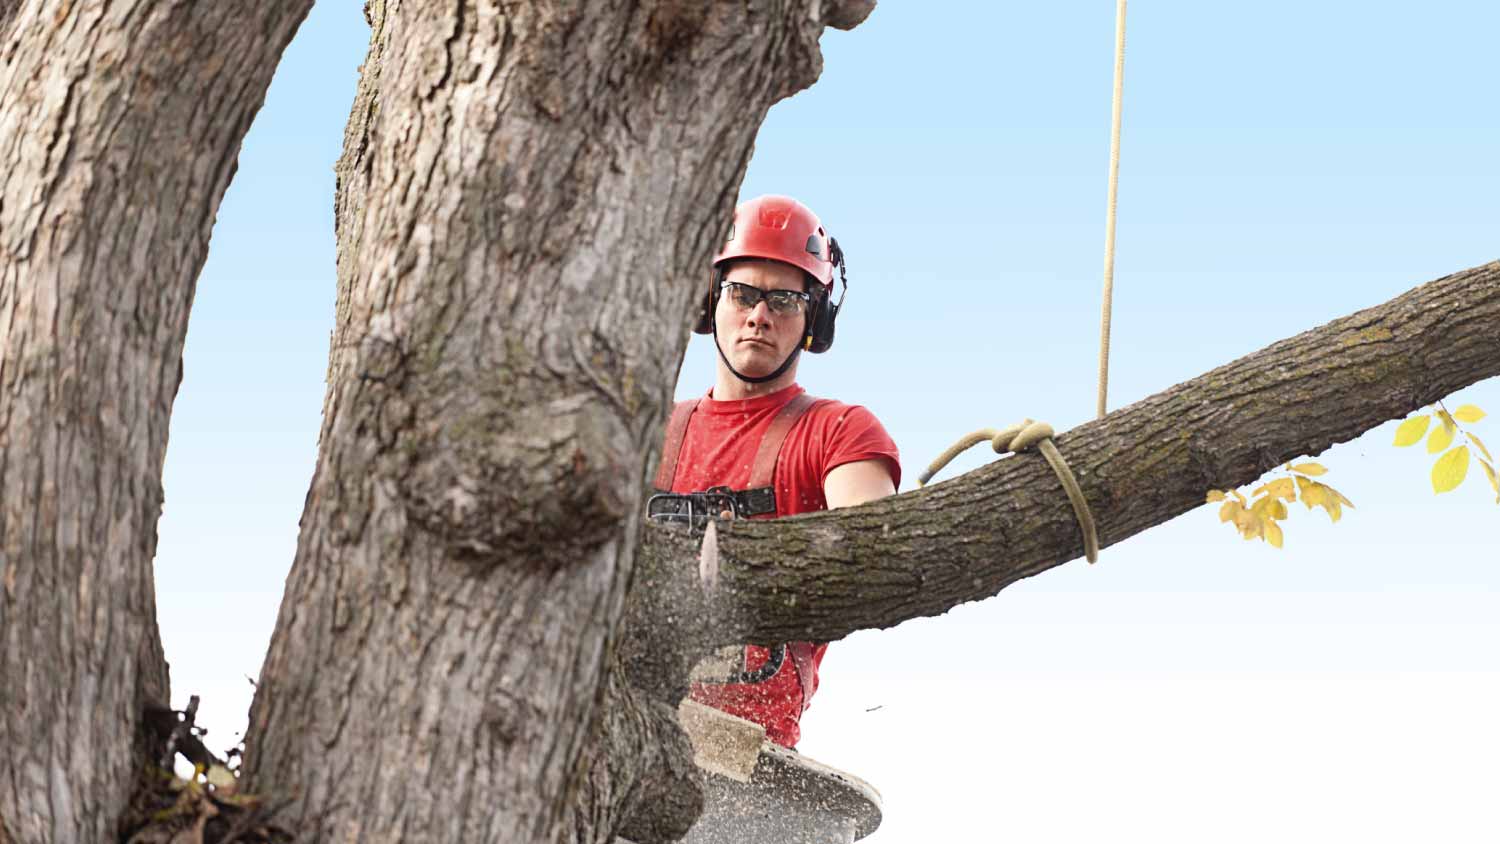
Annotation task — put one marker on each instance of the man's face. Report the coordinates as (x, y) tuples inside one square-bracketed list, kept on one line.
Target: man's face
[(756, 340)]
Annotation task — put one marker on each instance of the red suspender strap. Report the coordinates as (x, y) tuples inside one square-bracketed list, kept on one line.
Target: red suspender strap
[(764, 468), (802, 657), (762, 475), (672, 443)]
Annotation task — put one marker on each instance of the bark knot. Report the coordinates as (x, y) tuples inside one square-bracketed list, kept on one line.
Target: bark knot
[(548, 482)]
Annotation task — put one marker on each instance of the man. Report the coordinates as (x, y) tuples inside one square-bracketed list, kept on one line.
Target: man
[(756, 433)]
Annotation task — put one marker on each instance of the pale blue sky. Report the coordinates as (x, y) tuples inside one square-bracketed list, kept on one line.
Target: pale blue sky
[(1283, 164)]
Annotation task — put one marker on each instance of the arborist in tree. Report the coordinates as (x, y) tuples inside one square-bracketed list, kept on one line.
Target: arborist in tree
[(757, 445)]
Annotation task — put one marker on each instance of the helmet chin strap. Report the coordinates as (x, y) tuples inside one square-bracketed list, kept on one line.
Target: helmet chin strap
[(780, 370)]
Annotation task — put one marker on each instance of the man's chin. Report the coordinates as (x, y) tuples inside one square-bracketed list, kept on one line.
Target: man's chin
[(757, 365)]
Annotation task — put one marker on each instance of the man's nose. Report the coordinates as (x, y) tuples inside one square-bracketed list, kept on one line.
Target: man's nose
[(760, 314)]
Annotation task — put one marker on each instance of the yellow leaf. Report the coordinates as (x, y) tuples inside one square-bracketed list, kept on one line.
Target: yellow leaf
[(1309, 491), (1494, 479), (1339, 495), (1230, 510), (1411, 430), (1250, 524), (1450, 469), (1279, 510), (1313, 469), (1239, 498), (1482, 450), (1279, 488), (1215, 495), (1315, 494), (1273, 533), (1468, 413), (1441, 438)]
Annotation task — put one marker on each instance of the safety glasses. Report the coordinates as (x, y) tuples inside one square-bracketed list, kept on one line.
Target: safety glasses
[(784, 302)]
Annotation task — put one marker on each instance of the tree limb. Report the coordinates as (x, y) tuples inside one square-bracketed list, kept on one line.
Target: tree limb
[(822, 576)]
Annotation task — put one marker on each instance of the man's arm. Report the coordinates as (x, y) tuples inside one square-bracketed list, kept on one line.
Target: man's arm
[(854, 483)]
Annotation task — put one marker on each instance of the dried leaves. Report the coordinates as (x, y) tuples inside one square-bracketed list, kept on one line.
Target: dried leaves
[(203, 809), (1261, 519)]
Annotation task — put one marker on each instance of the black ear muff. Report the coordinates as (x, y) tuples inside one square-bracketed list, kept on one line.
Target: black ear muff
[(825, 310), (820, 337), (705, 323)]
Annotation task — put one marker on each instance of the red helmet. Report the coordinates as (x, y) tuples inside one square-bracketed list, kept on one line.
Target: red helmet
[(782, 229)]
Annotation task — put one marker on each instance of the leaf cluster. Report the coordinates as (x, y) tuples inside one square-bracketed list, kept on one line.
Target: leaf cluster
[(1261, 518), (1452, 467), (205, 808)]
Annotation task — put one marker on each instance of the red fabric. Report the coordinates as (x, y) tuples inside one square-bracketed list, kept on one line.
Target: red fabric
[(719, 449)]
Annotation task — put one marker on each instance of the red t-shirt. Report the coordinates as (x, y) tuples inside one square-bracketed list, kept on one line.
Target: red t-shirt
[(718, 450)]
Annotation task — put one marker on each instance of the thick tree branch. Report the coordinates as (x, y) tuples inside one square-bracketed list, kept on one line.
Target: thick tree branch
[(120, 124), (823, 576)]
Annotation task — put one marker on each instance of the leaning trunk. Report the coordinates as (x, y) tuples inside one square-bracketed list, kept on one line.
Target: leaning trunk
[(119, 127), (528, 198)]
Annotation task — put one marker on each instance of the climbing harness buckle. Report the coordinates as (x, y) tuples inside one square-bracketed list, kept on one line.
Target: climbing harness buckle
[(696, 508)]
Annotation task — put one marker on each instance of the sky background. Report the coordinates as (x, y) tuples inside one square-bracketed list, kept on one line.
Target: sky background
[(1283, 164)]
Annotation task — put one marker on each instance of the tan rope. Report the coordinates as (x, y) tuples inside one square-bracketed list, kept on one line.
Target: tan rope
[(1109, 217), (1017, 438)]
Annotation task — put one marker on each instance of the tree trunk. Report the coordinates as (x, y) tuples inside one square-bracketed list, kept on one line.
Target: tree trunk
[(119, 127), (822, 576), (528, 199)]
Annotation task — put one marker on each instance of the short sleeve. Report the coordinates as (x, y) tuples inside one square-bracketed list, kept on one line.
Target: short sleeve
[(854, 434)]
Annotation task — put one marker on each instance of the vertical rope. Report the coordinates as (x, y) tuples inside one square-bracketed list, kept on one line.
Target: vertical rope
[(1109, 219)]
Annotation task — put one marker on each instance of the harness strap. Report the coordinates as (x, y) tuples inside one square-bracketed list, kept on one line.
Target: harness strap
[(764, 468), (762, 475), (802, 658), (672, 443)]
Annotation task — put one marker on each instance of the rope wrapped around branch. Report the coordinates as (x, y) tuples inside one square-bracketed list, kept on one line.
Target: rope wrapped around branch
[(1018, 438)]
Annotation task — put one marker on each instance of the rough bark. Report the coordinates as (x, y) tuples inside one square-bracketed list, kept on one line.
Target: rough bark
[(524, 188), (8, 9), (119, 127), (823, 576)]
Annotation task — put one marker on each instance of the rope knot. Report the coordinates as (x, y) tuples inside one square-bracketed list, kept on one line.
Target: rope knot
[(1018, 438)]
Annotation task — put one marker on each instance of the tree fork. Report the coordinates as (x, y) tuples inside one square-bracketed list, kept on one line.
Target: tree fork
[(823, 576)]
